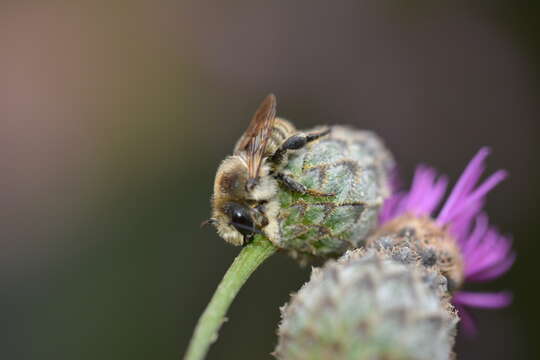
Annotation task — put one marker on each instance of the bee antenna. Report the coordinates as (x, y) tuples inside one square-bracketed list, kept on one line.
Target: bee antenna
[(208, 222)]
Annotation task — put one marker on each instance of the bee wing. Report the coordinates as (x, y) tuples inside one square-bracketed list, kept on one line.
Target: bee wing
[(255, 139)]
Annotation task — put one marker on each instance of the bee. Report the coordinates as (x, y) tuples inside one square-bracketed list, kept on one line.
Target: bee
[(245, 201)]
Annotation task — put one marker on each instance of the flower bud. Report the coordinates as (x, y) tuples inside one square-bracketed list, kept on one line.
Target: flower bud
[(368, 305), (348, 173)]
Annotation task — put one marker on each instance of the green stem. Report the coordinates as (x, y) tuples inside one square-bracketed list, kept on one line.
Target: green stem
[(240, 270)]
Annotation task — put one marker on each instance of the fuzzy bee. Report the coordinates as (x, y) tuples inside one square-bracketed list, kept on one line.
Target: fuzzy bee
[(246, 185)]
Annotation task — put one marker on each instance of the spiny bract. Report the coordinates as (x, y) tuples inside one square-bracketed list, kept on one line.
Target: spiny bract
[(354, 167), (369, 306)]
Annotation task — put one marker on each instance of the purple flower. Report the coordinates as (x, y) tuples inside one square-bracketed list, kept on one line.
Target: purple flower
[(485, 252)]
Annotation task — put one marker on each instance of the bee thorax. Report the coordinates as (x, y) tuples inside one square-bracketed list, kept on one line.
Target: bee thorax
[(264, 189), (231, 178)]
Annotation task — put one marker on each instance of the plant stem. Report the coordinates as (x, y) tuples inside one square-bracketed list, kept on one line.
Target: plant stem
[(240, 270)]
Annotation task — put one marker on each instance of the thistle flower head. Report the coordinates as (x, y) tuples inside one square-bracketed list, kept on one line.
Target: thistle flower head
[(485, 253), (347, 173), (367, 305)]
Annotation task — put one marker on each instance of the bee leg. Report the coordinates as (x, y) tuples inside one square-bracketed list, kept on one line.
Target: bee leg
[(295, 142), (297, 187), (315, 135), (290, 183), (319, 193)]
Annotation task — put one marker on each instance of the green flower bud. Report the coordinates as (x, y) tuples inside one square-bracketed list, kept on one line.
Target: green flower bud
[(351, 168), (369, 306)]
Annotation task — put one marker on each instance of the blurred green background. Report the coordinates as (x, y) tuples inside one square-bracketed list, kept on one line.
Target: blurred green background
[(116, 114)]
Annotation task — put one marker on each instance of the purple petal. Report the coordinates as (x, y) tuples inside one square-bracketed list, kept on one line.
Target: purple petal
[(466, 181), (490, 258), (426, 191), (482, 300), (492, 254), (390, 207), (472, 241), (493, 272), (461, 226), (479, 193), (486, 247), (420, 189), (430, 203)]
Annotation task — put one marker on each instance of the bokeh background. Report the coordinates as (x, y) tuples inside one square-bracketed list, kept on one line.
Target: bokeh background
[(114, 116)]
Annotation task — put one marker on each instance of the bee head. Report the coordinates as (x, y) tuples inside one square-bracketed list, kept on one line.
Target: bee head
[(231, 179), (241, 218), (237, 223), (238, 204)]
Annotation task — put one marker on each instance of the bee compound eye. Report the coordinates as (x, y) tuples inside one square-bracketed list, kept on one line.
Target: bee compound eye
[(241, 218)]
